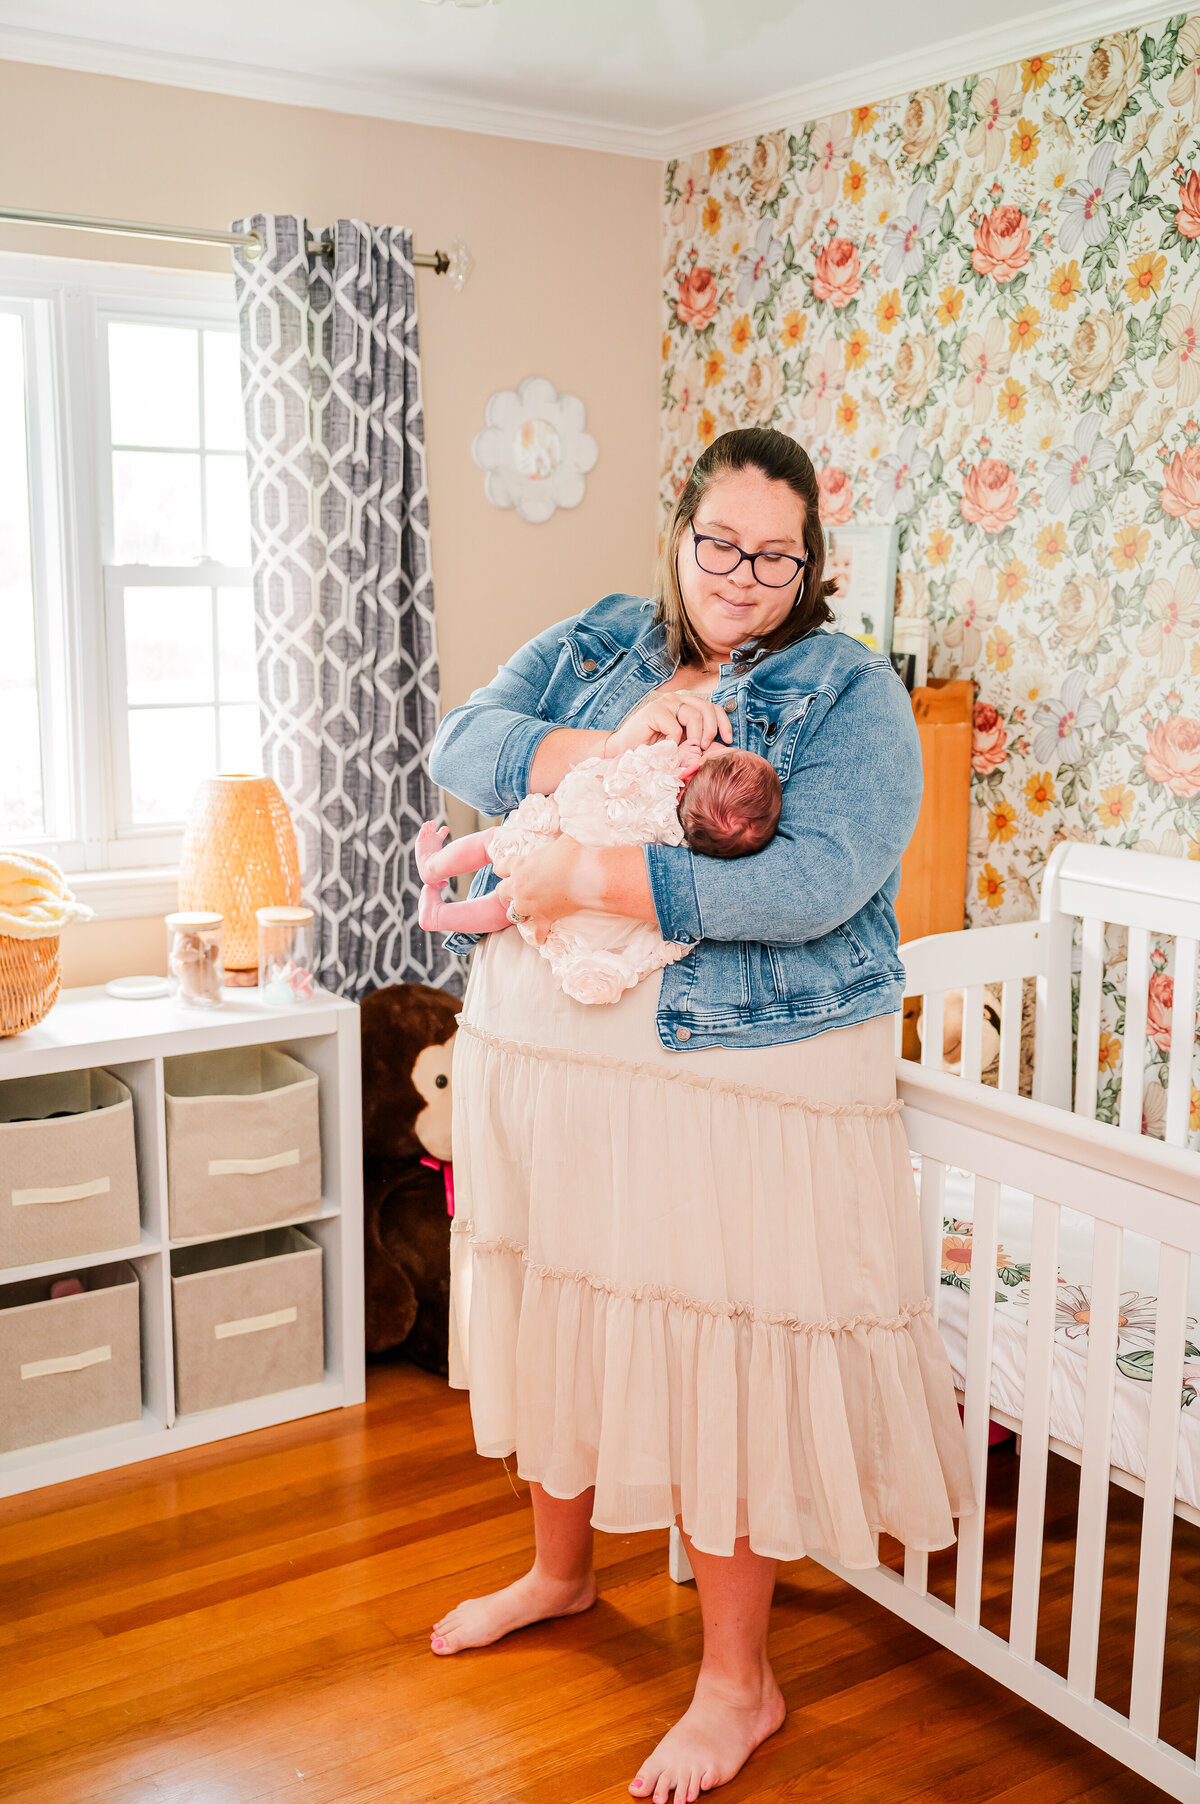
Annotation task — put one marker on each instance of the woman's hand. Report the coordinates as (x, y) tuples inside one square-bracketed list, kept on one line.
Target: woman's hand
[(547, 884), (675, 714)]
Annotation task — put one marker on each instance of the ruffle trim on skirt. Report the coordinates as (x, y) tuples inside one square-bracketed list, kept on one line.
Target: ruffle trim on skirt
[(805, 1436), (655, 1070)]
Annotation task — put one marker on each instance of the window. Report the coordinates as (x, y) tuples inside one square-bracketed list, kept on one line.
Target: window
[(126, 618)]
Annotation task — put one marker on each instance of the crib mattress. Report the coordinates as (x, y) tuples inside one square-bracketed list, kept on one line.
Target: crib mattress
[(1135, 1346)]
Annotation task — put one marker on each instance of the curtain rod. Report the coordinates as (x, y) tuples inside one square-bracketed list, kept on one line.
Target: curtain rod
[(438, 261)]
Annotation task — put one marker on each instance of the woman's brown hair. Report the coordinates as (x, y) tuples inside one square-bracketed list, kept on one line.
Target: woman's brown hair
[(780, 459)]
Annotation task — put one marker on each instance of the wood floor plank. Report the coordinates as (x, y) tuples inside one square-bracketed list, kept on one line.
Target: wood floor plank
[(248, 1624)]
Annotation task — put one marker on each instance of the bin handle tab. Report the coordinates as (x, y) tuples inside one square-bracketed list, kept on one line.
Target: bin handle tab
[(245, 1168)]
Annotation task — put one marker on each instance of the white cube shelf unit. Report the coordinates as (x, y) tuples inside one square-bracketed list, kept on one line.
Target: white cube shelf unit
[(87, 1027)]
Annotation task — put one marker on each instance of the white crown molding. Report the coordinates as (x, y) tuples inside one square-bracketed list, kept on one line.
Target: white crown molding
[(1053, 28)]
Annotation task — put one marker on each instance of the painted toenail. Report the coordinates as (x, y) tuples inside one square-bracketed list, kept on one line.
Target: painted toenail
[(438, 1642)]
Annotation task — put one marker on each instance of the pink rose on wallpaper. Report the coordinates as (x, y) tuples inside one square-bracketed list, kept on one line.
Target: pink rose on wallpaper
[(1001, 243), (1180, 493), (1173, 754), (1187, 220), (989, 497), (837, 277), (837, 500), (990, 745), (1159, 1004), (697, 303)]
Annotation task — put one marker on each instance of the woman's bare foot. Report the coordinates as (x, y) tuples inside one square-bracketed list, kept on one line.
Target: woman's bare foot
[(712, 1740), (482, 1620)]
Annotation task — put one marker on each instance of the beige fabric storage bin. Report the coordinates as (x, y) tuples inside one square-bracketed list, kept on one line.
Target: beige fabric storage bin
[(69, 1365), (243, 1141), (68, 1168), (249, 1318)]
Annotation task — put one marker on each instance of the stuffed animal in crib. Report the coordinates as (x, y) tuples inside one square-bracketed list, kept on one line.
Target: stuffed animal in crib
[(408, 1034)]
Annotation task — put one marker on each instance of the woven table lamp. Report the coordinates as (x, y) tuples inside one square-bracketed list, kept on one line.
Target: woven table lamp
[(239, 855)]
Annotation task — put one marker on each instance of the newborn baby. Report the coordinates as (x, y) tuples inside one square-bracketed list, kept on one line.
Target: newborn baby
[(721, 802)]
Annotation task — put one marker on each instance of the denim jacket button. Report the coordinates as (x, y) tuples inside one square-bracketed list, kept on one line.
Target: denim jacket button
[(683, 1033), (589, 664)]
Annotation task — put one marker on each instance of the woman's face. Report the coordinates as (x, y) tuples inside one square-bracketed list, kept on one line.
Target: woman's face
[(755, 514)]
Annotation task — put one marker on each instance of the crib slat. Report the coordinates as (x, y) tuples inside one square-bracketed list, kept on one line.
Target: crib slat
[(1158, 1510), (1087, 1061), (933, 1029), (1133, 1053), (981, 1314), (1010, 1035), (972, 1034), (1035, 1429), (1183, 1041), (933, 1209), (1096, 1460)]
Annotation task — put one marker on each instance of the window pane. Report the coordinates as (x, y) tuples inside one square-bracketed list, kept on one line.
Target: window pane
[(154, 384), (236, 650), (171, 751), (168, 645), (241, 742), (156, 508), (224, 424), (228, 509), (21, 808)]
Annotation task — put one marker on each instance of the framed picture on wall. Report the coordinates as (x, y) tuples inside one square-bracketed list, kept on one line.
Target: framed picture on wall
[(861, 560)]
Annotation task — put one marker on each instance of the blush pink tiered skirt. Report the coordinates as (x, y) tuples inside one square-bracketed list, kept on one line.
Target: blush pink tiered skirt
[(694, 1279)]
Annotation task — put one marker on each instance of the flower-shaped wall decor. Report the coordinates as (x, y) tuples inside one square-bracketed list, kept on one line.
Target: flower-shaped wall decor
[(534, 449)]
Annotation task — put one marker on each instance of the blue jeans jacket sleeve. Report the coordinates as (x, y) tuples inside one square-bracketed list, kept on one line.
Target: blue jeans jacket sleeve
[(483, 750), (849, 808)]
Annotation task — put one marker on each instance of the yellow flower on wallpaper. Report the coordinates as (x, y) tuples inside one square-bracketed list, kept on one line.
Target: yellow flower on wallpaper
[(714, 367), (1194, 1111), (1040, 792), (862, 118), (793, 329), (1011, 401), (1145, 277), (854, 182), (1051, 544), (1110, 1051), (706, 426), (1000, 650), (950, 303), (1116, 804), (1024, 329), (739, 333), (1002, 821), (941, 544), (1066, 285), (1130, 547), (990, 885), (717, 159), (710, 219), (856, 349), (1036, 72), (1024, 143), (666, 346), (1013, 580), (888, 310), (847, 413)]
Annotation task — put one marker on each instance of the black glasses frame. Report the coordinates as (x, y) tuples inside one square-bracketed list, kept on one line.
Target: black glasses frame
[(747, 557)]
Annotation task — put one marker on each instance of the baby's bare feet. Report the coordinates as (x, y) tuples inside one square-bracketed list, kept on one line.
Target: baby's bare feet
[(429, 909), (430, 841), (482, 1620), (712, 1740)]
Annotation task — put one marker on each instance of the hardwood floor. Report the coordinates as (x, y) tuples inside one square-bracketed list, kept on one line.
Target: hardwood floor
[(250, 1622)]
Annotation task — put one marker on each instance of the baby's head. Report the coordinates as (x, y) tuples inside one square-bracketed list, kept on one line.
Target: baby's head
[(730, 804)]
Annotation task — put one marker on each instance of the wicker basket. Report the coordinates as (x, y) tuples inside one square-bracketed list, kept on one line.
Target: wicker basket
[(239, 855), (30, 977)]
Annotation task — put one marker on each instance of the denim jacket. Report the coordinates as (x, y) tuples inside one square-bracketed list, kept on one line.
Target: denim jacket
[(790, 940)]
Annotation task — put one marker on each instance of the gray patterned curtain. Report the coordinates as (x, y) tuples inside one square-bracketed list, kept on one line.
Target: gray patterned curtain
[(347, 653)]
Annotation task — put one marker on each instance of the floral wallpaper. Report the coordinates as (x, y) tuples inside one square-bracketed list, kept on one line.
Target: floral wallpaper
[(978, 307)]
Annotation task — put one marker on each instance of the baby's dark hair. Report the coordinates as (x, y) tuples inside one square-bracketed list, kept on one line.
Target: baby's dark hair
[(731, 806)]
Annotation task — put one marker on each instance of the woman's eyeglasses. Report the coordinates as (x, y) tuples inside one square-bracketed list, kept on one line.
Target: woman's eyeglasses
[(718, 557)]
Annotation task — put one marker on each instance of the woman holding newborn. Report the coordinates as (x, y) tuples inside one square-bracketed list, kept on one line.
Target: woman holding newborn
[(686, 1271)]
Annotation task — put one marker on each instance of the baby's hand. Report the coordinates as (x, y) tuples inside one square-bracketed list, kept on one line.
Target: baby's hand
[(691, 752)]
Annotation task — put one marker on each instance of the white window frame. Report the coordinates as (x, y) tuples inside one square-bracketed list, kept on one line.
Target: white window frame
[(69, 303)]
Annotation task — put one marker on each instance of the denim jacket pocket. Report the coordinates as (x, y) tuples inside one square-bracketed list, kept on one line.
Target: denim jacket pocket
[(773, 728), (588, 653)]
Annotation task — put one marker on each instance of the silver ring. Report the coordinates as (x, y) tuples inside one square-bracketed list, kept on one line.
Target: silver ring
[(513, 916)]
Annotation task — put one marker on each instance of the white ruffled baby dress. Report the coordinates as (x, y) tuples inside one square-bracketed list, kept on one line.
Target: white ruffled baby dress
[(631, 800)]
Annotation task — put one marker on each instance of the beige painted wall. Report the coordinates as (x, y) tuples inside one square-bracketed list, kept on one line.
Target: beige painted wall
[(566, 285)]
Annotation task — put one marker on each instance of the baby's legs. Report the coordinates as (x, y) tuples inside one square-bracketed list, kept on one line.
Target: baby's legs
[(486, 914), (436, 860)]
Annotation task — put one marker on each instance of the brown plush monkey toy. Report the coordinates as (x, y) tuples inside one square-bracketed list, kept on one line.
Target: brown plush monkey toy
[(408, 1034)]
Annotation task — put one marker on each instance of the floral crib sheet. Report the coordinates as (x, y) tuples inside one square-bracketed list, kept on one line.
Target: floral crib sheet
[(1136, 1325)]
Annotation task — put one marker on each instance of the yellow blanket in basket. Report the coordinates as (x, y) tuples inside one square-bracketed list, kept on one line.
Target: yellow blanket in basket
[(35, 903)]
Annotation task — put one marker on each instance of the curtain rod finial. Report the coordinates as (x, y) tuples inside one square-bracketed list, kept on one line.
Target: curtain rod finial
[(458, 265)]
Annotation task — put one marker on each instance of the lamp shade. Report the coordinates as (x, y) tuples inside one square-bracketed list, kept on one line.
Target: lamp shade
[(239, 855)]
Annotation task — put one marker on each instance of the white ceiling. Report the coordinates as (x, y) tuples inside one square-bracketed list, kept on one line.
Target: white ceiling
[(650, 77)]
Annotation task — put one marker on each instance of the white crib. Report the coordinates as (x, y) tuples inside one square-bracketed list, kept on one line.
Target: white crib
[(1124, 1192)]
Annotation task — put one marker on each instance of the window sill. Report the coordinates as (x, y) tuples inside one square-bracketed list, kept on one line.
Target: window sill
[(127, 895)]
